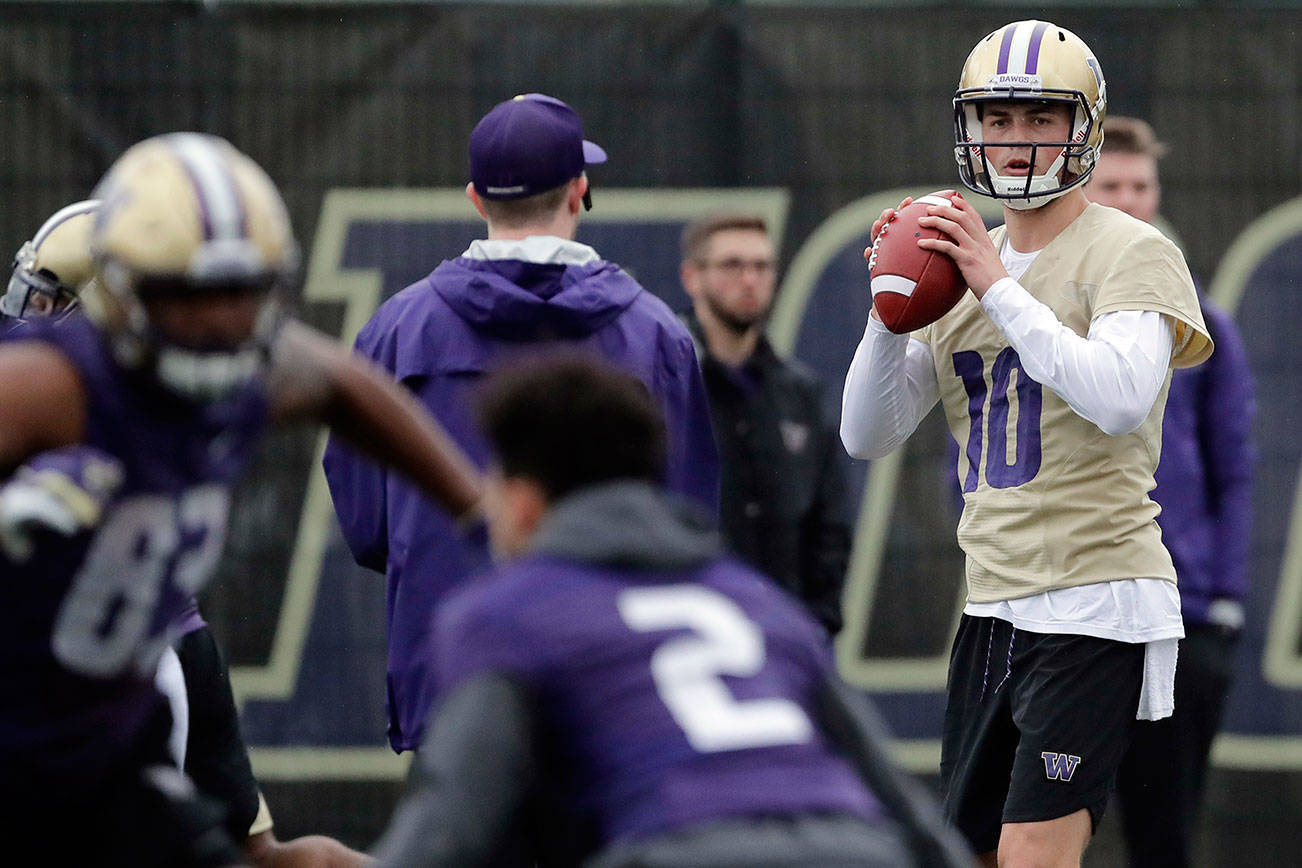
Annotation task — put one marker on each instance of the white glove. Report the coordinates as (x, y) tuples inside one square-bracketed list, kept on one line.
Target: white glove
[(64, 491)]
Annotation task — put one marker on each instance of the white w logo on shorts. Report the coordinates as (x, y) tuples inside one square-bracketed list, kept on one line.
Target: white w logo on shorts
[(1059, 766)]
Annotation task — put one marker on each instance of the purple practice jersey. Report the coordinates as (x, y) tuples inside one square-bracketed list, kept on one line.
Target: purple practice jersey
[(439, 337), (672, 695), (83, 621)]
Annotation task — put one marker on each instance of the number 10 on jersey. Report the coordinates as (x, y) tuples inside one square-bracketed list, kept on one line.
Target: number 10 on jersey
[(1000, 472)]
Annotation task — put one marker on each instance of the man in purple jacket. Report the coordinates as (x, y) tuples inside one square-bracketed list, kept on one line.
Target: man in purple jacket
[(527, 287), (1204, 486), (619, 689)]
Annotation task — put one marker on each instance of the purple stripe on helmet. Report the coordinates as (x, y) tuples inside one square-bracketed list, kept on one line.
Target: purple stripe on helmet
[(1033, 50), (1004, 47)]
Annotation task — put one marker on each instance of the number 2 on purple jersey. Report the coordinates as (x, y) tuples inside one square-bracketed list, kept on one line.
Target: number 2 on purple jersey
[(687, 669)]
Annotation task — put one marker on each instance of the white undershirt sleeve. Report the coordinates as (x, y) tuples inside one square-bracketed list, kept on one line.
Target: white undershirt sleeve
[(1111, 378), (889, 388)]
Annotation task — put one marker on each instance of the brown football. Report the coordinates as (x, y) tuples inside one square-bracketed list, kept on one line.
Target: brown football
[(913, 287)]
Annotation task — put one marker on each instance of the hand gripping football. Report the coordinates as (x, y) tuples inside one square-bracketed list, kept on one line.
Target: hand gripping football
[(912, 287)]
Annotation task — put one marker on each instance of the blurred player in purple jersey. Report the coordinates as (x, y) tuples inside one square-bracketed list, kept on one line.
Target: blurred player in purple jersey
[(662, 702), (527, 286), (49, 273), (121, 433), (1204, 486)]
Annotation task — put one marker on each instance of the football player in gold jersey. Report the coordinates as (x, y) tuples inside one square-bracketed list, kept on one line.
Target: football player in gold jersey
[(1053, 374)]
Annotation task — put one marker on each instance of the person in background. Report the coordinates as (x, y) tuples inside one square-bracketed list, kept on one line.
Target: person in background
[(526, 287), (782, 498), (1204, 486), (626, 690)]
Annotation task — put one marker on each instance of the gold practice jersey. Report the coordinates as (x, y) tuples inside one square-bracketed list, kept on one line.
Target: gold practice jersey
[(1050, 500)]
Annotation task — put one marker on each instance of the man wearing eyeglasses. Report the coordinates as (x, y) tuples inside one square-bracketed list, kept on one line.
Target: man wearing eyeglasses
[(782, 491)]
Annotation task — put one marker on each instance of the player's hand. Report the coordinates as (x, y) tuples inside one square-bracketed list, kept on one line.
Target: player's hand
[(970, 246), (879, 226), (63, 491)]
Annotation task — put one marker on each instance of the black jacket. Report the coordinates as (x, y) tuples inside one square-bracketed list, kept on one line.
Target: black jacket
[(782, 488)]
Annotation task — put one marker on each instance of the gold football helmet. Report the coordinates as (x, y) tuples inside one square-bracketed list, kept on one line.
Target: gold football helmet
[(52, 268), (1037, 61), (186, 215)]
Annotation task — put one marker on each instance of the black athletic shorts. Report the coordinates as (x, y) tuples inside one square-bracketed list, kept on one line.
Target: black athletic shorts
[(215, 756), (1035, 726)]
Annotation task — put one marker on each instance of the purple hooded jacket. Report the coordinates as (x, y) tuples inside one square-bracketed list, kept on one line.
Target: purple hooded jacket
[(1204, 480), (439, 337)]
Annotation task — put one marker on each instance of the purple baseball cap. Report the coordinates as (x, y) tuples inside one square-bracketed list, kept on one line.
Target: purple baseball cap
[(528, 145)]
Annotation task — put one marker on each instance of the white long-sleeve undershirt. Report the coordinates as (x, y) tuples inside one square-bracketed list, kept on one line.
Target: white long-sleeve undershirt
[(1111, 377)]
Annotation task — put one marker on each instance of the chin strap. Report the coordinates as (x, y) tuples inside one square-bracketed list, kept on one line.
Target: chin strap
[(1006, 188)]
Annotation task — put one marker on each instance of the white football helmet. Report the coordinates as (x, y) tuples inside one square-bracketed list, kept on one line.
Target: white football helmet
[(183, 215), (1035, 61), (51, 269)]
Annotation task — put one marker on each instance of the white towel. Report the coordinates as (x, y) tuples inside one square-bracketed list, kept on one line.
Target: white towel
[(1157, 696)]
